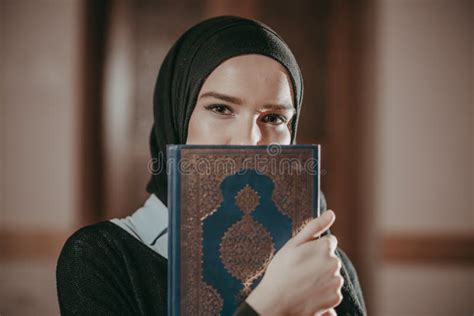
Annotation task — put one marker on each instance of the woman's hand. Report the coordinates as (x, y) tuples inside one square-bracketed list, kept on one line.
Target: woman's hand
[(304, 276)]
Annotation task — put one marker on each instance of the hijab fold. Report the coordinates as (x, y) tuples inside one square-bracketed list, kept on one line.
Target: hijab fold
[(187, 65)]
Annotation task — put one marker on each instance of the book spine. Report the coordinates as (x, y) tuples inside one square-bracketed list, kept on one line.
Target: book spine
[(317, 180), (173, 154)]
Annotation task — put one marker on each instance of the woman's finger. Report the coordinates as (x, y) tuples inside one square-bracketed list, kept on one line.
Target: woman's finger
[(315, 228)]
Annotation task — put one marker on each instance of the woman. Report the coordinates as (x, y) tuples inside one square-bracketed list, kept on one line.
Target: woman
[(227, 80)]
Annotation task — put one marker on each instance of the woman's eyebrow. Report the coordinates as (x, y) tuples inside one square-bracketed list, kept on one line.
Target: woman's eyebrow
[(284, 107), (221, 96), (239, 101)]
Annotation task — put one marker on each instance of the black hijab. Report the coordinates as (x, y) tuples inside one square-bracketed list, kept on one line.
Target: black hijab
[(186, 66)]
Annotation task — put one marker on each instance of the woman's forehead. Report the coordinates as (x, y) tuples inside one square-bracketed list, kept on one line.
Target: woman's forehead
[(252, 78)]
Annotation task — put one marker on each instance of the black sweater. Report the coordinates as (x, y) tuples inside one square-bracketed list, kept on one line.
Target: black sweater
[(103, 270)]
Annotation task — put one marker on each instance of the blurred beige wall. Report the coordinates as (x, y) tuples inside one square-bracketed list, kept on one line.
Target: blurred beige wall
[(424, 148), (40, 51), (40, 108)]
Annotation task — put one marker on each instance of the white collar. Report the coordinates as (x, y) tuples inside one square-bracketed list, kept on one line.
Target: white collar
[(148, 224)]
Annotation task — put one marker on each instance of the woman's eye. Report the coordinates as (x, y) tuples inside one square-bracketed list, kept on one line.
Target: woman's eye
[(274, 119), (219, 109)]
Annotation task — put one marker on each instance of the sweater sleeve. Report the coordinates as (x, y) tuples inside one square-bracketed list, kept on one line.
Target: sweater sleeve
[(88, 277), (353, 301)]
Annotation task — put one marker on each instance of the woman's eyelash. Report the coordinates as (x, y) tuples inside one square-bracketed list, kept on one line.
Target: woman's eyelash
[(222, 108), (219, 109), (280, 117)]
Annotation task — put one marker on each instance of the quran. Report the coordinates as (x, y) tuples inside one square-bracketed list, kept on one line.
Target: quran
[(232, 207)]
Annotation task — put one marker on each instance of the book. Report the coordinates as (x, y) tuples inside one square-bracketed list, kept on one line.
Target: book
[(232, 207)]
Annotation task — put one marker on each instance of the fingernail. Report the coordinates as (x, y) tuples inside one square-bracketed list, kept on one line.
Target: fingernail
[(329, 213)]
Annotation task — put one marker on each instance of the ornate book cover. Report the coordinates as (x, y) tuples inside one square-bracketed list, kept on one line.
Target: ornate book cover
[(232, 207)]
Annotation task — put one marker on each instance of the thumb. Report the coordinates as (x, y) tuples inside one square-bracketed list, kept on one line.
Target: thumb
[(314, 228)]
